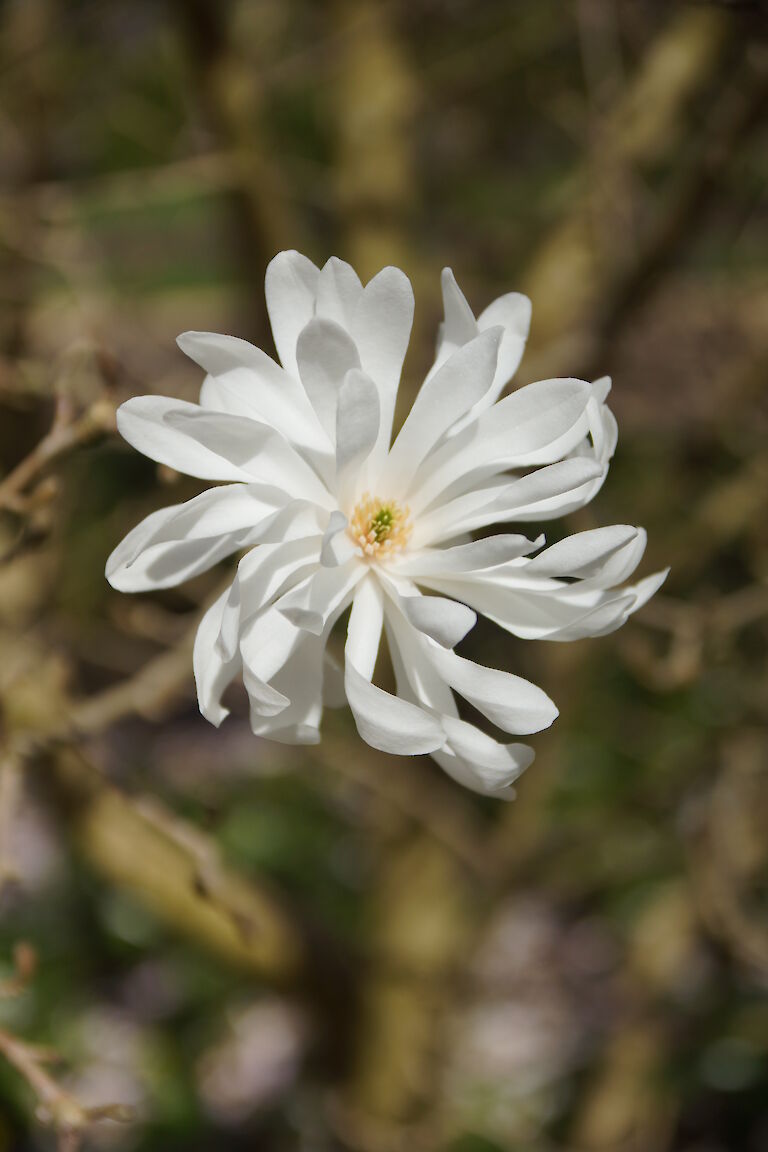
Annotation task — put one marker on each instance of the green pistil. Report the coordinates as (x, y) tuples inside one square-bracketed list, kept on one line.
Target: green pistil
[(381, 523)]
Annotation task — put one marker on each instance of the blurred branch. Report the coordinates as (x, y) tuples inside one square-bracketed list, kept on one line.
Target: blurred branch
[(10, 781), (56, 1108), (587, 259), (375, 97), (726, 852), (68, 432), (175, 870), (232, 94)]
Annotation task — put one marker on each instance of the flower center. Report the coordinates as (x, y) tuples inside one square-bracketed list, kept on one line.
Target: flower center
[(380, 527)]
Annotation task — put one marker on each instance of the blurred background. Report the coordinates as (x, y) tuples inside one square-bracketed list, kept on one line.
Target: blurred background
[(257, 947)]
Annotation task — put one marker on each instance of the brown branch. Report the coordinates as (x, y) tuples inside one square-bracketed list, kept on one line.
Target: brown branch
[(66, 434), (56, 1107)]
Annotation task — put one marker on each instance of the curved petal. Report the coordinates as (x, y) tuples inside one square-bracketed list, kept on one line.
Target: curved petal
[(538, 424), (475, 556), (338, 292), (470, 756), (217, 446), (313, 604), (511, 702), (600, 557), (176, 543), (290, 286), (325, 354), (446, 396), (243, 381), (541, 495), (478, 761), (213, 674), (446, 621), (381, 330), (338, 547), (384, 721), (357, 429)]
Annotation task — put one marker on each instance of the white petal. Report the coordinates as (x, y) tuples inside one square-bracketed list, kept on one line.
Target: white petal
[(301, 678), (290, 286), (212, 674), (312, 605), (541, 495), (513, 703), (325, 354), (601, 388), (264, 573), (536, 425), (265, 700), (384, 721), (266, 643), (474, 556), (338, 292), (338, 547), (357, 426), (469, 756), (459, 325), (648, 587), (480, 762), (176, 543), (217, 446), (513, 312), (449, 394), (585, 553), (244, 381), (445, 621), (381, 330)]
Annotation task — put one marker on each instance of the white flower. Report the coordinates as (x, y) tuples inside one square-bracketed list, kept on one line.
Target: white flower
[(328, 514)]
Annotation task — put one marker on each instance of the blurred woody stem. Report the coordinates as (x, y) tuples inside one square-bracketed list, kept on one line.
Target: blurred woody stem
[(56, 1107), (67, 433)]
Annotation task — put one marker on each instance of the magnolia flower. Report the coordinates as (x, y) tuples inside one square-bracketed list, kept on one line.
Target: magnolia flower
[(327, 512)]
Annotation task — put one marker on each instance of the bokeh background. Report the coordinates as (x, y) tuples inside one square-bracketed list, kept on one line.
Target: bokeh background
[(259, 947)]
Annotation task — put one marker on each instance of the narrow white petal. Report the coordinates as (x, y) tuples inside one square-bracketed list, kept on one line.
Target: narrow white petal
[(449, 394), (474, 556), (301, 678), (325, 354), (445, 621), (384, 721), (536, 425), (290, 286), (338, 292), (648, 587), (480, 762), (244, 381), (541, 495), (470, 756), (338, 547), (513, 312), (585, 553), (212, 673), (266, 642), (381, 329), (176, 543), (283, 555), (310, 606), (460, 325), (357, 427), (217, 446), (511, 702)]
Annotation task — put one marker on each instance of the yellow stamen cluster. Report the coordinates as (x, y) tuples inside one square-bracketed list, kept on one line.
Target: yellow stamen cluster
[(380, 527)]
